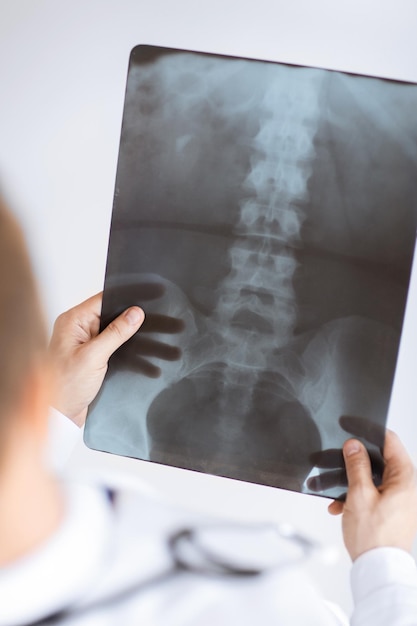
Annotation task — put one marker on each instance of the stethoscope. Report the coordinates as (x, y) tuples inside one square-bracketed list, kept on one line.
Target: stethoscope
[(207, 550)]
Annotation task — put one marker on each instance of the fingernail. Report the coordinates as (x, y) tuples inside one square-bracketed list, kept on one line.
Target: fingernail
[(134, 316), (351, 447)]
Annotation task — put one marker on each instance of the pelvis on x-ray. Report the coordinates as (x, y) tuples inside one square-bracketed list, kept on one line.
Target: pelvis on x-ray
[(265, 219)]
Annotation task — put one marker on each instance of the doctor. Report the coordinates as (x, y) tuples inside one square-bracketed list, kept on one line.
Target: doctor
[(81, 553)]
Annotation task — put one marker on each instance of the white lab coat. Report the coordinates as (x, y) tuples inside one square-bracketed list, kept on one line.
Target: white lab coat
[(102, 548)]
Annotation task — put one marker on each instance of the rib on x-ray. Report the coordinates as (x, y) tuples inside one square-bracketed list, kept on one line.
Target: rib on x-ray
[(265, 219)]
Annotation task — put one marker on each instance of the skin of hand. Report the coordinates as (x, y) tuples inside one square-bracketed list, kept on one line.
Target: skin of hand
[(384, 516), (78, 353)]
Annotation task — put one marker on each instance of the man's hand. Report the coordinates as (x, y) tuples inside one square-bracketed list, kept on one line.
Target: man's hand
[(378, 516), (79, 354), (332, 460), (134, 356)]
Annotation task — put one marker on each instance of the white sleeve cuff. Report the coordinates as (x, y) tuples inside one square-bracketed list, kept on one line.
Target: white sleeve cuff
[(63, 435), (384, 588)]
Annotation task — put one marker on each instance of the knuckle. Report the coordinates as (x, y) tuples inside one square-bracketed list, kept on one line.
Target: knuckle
[(64, 318), (60, 320)]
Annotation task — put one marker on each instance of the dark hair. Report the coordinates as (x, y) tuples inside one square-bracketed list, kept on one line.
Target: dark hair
[(22, 329)]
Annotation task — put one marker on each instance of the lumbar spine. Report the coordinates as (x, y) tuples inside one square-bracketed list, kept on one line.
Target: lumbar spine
[(256, 310)]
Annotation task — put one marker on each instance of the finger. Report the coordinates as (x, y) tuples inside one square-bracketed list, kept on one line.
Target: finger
[(80, 323), (335, 507), (138, 365), (156, 323), (91, 306), (397, 459), (142, 366), (328, 459), (377, 466), (365, 428), (116, 333), (358, 466), (88, 310), (157, 349), (88, 314), (327, 480)]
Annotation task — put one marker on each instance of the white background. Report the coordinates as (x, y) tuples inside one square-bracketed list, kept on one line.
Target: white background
[(62, 78)]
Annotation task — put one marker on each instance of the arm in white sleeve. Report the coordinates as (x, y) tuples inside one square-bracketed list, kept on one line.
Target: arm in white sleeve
[(63, 435), (384, 587)]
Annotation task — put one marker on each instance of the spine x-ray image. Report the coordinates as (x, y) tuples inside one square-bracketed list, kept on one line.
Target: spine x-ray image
[(265, 219)]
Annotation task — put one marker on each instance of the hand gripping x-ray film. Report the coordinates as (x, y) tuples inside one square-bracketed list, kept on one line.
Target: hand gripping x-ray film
[(265, 219)]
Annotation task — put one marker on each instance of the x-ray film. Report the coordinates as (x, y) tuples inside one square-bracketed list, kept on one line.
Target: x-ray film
[(265, 219)]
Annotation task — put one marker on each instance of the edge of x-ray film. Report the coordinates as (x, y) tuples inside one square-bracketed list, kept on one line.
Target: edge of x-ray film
[(253, 221), (403, 405)]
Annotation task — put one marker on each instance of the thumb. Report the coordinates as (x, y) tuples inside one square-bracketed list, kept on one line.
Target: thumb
[(358, 465), (117, 333)]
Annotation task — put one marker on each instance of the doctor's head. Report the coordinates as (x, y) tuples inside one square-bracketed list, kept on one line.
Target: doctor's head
[(22, 331)]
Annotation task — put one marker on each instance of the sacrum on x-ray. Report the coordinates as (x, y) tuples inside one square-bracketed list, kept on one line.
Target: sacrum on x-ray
[(265, 219)]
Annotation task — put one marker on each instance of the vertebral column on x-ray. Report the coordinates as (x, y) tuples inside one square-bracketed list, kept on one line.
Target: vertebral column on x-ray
[(256, 309)]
